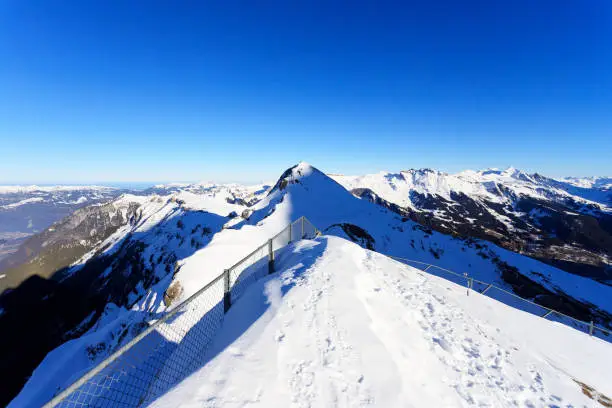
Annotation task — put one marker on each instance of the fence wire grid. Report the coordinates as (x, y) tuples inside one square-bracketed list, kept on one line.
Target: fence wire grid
[(173, 347), (509, 298)]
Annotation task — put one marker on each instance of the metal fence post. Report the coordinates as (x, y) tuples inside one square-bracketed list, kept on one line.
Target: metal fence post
[(227, 294), (487, 288), (591, 327), (270, 257), (302, 227), (290, 232)]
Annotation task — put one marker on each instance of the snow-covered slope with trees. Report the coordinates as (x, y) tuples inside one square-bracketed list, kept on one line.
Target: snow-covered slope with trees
[(341, 326)]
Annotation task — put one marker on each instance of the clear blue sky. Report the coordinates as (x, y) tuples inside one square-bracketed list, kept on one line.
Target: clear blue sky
[(240, 90)]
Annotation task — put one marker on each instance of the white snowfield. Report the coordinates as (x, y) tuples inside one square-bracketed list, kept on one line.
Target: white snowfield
[(341, 326)]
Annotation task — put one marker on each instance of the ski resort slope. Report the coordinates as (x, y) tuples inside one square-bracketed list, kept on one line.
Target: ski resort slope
[(342, 326)]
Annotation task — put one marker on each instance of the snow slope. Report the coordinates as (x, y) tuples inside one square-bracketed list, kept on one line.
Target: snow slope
[(168, 229), (566, 225), (304, 190), (301, 191), (589, 182), (343, 326)]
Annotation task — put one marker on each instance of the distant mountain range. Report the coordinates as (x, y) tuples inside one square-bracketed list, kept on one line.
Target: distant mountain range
[(566, 223), (89, 281), (27, 210)]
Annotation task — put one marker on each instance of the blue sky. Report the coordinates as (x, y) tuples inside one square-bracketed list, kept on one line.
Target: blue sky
[(239, 91)]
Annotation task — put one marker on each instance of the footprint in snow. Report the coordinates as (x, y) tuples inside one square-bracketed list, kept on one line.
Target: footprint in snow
[(441, 341), (235, 351)]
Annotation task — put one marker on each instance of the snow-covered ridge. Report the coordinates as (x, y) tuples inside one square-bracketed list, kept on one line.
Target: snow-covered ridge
[(589, 182), (396, 187), (22, 202), (10, 189), (548, 219), (342, 326)]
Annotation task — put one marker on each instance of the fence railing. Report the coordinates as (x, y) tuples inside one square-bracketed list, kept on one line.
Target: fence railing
[(173, 347), (509, 298), (168, 350)]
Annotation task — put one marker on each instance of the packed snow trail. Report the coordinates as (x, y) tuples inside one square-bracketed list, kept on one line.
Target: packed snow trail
[(343, 326)]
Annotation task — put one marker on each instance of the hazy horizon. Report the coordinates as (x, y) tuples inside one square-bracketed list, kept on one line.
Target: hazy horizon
[(143, 184)]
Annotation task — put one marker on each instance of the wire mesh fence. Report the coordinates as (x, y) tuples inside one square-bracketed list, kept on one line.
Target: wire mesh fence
[(509, 298), (168, 350)]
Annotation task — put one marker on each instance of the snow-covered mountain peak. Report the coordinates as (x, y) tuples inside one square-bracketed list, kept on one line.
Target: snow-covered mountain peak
[(492, 184), (422, 171), (588, 182), (400, 188), (302, 170), (508, 173), (302, 173)]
